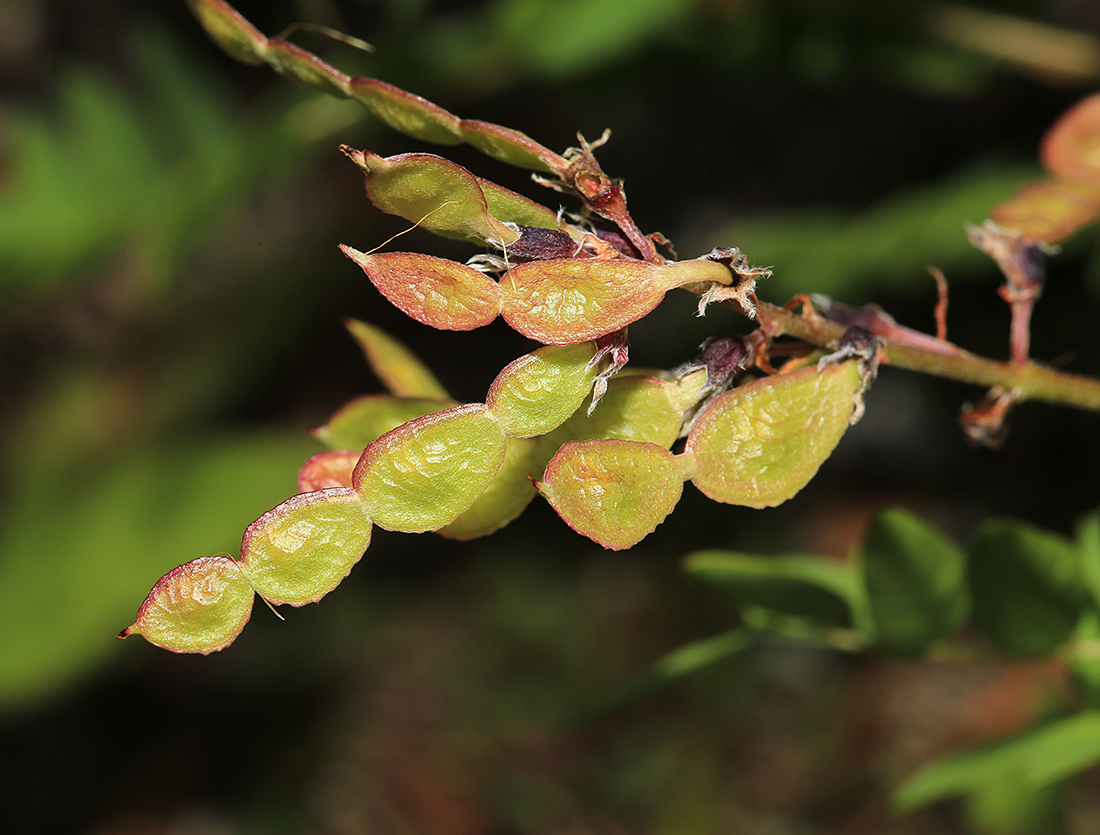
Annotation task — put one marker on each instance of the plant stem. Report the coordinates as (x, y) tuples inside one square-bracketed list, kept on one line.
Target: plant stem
[(1028, 381)]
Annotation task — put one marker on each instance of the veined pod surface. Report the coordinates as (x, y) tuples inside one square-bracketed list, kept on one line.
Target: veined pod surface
[(422, 475), (638, 408), (762, 442), (331, 468), (437, 292), (572, 300), (431, 192), (299, 551), (614, 492), (507, 495), (202, 606), (362, 420), (539, 391)]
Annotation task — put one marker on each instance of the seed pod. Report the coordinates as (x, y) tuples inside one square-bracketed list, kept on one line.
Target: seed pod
[(573, 300), (437, 292), (199, 607), (507, 495), (614, 492), (422, 475), (301, 550), (332, 468), (638, 407), (762, 442), (539, 391), (433, 193), (363, 419), (399, 369)]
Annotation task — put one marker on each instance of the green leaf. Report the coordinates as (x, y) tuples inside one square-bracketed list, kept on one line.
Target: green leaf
[(396, 366), (915, 581), (1041, 756), (539, 391), (670, 668), (202, 606), (299, 551), (761, 443), (422, 475), (801, 585), (1026, 586), (614, 492), (1088, 545)]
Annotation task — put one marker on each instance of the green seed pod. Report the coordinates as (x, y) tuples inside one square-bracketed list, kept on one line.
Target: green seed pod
[(614, 492), (572, 300), (433, 193), (202, 606), (762, 442), (301, 550), (422, 475), (405, 112), (437, 292), (331, 468), (507, 495), (539, 391), (400, 370), (638, 408), (363, 419)]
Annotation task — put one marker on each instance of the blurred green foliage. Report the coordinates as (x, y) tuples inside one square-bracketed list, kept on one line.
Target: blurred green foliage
[(158, 268)]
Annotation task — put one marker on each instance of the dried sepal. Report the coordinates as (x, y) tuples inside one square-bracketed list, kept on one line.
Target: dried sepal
[(573, 300), (422, 475), (434, 291), (202, 606), (431, 192), (396, 366), (298, 552), (614, 492), (761, 443), (539, 391), (331, 468)]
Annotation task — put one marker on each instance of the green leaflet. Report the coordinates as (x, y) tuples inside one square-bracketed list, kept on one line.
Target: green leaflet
[(801, 585), (915, 582), (1026, 586)]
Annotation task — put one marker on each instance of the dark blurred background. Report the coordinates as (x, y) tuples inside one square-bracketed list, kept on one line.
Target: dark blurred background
[(171, 296)]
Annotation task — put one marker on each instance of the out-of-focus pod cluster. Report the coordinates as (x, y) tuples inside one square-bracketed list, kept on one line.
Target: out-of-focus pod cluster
[(466, 470)]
